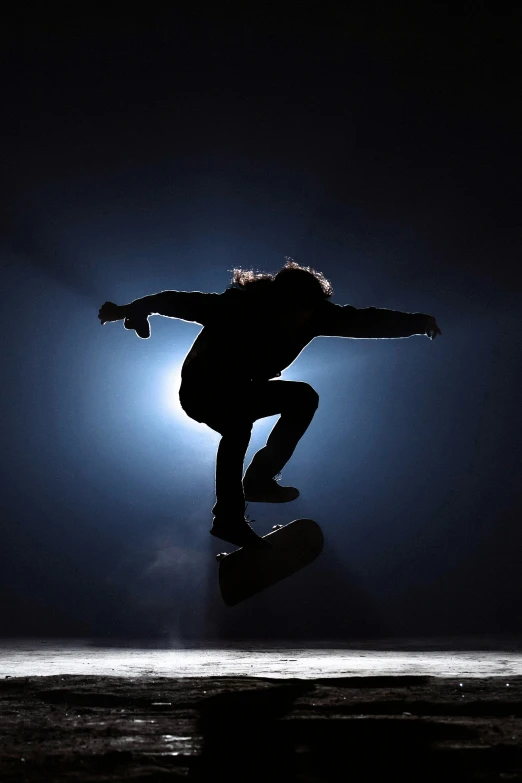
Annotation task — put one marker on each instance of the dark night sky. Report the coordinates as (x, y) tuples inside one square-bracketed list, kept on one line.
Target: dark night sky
[(155, 152)]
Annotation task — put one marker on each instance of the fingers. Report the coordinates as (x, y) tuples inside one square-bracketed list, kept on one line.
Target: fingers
[(108, 312), (432, 328)]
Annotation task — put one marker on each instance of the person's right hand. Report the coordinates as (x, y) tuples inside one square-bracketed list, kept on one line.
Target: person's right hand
[(111, 312)]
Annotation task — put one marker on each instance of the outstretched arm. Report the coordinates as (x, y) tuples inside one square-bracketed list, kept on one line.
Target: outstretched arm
[(376, 322), (188, 306)]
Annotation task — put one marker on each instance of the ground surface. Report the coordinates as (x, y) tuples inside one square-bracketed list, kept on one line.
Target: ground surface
[(440, 658), (98, 728)]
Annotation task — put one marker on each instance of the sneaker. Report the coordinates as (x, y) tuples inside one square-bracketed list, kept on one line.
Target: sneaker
[(268, 491), (238, 533)]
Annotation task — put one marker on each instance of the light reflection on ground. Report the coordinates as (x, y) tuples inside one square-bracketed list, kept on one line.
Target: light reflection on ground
[(37, 658)]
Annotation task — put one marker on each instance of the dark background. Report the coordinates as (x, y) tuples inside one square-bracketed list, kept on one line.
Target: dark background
[(155, 151)]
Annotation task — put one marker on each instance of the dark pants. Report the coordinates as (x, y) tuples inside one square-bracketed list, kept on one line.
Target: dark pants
[(232, 412)]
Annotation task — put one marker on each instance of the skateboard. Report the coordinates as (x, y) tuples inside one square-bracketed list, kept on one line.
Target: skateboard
[(245, 572)]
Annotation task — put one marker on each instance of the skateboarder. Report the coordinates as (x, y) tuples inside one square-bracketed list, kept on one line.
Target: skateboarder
[(252, 332)]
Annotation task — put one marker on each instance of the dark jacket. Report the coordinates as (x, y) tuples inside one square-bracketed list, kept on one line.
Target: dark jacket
[(246, 336)]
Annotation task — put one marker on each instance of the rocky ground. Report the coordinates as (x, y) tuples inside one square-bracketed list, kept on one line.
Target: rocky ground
[(76, 728)]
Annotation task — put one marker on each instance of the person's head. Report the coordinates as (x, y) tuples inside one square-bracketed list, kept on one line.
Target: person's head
[(295, 285)]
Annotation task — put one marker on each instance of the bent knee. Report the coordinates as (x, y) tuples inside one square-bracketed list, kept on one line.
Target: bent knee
[(308, 395), (236, 429)]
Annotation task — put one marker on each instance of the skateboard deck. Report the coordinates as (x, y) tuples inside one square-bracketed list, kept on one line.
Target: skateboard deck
[(245, 572)]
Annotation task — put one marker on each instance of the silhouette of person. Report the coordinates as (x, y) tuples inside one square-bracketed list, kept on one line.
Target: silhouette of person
[(251, 333)]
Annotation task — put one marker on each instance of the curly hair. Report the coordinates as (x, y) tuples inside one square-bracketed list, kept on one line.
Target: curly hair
[(291, 278)]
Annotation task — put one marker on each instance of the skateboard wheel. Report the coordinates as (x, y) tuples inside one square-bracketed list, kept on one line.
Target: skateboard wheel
[(221, 555), (277, 527)]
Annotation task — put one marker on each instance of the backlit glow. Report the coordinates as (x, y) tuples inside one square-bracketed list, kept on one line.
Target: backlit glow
[(170, 395)]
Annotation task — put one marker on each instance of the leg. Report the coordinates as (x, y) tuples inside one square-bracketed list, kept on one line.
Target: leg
[(229, 512), (297, 403), (230, 499), (221, 412), (231, 412)]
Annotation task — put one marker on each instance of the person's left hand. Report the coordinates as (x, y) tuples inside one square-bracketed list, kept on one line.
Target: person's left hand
[(431, 327), (111, 312)]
